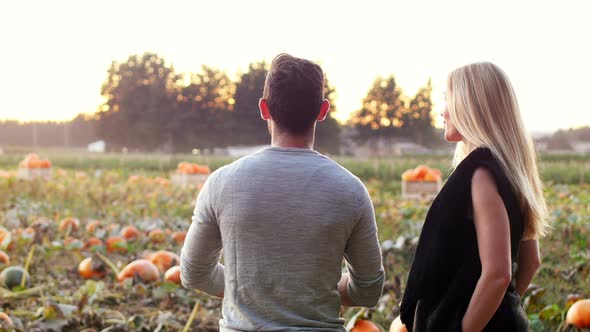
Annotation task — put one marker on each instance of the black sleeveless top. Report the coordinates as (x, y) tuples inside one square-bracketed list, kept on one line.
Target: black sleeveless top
[(446, 265)]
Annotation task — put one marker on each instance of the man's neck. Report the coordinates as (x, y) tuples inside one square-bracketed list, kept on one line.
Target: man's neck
[(289, 141)]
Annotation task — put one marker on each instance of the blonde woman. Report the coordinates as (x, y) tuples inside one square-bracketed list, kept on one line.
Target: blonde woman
[(478, 249)]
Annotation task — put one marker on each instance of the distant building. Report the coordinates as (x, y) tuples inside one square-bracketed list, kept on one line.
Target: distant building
[(559, 144), (386, 147), (580, 146), (379, 146), (541, 145)]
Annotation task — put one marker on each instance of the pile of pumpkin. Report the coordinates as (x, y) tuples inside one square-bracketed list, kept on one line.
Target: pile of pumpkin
[(32, 161), (148, 268), (191, 168), (422, 173)]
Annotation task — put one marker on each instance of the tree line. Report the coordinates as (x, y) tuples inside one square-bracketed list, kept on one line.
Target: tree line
[(149, 106)]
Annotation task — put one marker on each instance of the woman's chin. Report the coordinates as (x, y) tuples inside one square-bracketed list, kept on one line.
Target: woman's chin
[(452, 137), (447, 137)]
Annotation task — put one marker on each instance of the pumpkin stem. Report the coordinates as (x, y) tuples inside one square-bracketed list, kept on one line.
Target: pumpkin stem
[(23, 279), (362, 314), (192, 316), (108, 263)]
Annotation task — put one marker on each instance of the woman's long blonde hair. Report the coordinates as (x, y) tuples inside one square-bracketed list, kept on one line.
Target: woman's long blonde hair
[(483, 107)]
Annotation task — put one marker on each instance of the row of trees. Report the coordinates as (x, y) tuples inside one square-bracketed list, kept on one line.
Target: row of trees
[(76, 133), (149, 106), (387, 113)]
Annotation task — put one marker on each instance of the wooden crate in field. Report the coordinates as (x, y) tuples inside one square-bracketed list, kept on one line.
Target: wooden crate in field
[(420, 189), (184, 179)]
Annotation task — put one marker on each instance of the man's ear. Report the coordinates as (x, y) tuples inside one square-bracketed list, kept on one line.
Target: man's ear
[(264, 112), (325, 108)]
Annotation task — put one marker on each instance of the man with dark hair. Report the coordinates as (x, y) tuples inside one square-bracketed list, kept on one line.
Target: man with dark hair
[(286, 217)]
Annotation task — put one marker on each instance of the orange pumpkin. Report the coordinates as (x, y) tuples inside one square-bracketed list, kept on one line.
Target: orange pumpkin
[(92, 226), (164, 260), (173, 275), (143, 268), (72, 223), (6, 239), (4, 258), (30, 161), (113, 227), (5, 321), (91, 268), (72, 243), (188, 168), (408, 175), (130, 233), (157, 236), (422, 173), (182, 167), (25, 234), (179, 236), (431, 177), (162, 181), (579, 314), (116, 243), (93, 242), (44, 163), (365, 325), (397, 326), (134, 179)]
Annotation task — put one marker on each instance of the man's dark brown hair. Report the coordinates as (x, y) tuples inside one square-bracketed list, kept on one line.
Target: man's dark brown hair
[(294, 91)]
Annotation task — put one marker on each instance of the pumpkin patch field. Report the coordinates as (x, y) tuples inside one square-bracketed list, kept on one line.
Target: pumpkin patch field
[(96, 248)]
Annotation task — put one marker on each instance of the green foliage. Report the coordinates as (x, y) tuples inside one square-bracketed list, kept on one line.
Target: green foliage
[(418, 123), (555, 169), (387, 113), (382, 111), (101, 188), (327, 135), (248, 127), (202, 112), (139, 99)]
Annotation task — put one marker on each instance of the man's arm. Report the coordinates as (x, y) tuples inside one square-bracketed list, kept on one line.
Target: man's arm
[(364, 283), (199, 258)]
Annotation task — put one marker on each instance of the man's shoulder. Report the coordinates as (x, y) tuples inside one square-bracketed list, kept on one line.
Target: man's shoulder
[(224, 171), (341, 171), (338, 176), (332, 170)]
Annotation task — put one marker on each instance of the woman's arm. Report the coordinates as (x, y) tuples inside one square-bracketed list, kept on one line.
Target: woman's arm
[(529, 262), (493, 240)]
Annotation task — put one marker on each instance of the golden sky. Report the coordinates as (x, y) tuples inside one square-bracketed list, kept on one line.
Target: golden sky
[(55, 53)]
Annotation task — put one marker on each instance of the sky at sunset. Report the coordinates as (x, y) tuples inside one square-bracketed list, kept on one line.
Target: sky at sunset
[(55, 54)]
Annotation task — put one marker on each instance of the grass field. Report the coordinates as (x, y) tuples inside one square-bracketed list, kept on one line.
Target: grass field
[(121, 190), (564, 169)]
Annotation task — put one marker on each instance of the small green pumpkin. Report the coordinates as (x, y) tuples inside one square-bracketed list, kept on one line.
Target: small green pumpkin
[(12, 275)]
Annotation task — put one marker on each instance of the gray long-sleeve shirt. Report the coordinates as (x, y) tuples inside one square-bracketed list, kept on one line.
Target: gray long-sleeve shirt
[(285, 218)]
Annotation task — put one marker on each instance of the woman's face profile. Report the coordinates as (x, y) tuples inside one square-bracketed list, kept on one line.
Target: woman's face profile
[(451, 132)]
